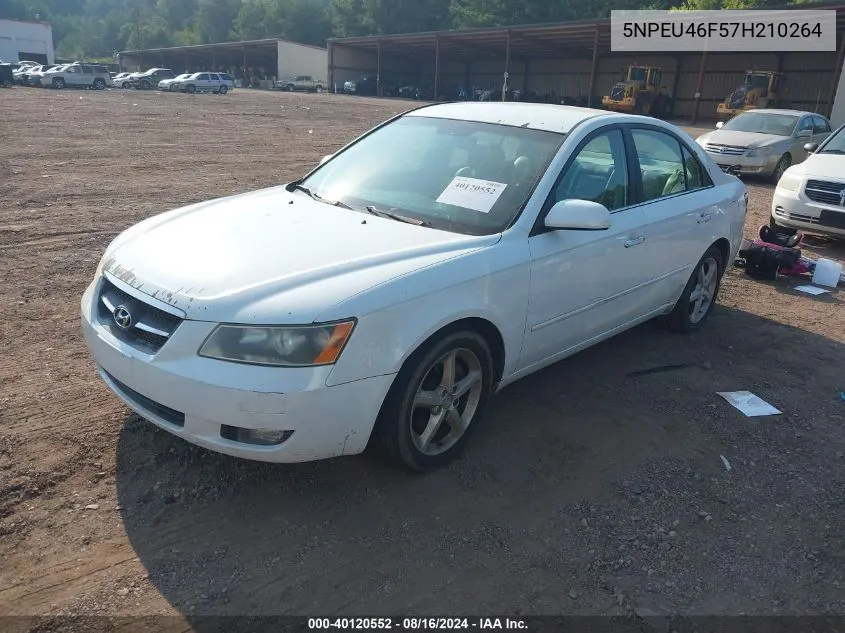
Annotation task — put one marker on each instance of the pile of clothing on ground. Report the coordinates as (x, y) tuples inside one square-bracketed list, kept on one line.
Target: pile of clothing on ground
[(773, 254)]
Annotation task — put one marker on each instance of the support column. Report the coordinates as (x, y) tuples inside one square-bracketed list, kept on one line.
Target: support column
[(594, 67), (834, 80), (246, 71), (467, 78), (161, 59), (698, 85), (213, 60), (507, 68), (330, 78), (677, 79), (378, 69), (526, 71), (186, 61), (436, 67)]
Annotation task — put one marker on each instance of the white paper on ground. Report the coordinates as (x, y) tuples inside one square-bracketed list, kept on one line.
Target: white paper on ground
[(748, 403), (811, 290), (472, 193)]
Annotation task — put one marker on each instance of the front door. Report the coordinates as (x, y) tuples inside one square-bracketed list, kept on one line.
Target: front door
[(585, 284)]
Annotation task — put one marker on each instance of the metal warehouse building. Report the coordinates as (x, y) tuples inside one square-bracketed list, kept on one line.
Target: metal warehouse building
[(573, 60), (263, 60), (24, 40)]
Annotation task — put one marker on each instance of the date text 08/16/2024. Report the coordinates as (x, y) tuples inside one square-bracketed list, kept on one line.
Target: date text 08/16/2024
[(416, 624)]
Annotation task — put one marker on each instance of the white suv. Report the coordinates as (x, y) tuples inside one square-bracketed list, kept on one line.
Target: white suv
[(218, 83), (79, 76)]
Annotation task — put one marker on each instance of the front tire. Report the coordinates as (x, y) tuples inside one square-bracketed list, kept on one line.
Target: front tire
[(58, 83), (436, 401), (783, 164), (699, 295), (191, 89), (223, 90)]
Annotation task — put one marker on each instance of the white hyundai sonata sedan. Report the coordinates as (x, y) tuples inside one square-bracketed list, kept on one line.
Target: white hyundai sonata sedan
[(386, 295)]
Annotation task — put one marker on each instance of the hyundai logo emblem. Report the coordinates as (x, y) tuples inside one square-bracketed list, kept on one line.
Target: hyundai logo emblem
[(122, 317)]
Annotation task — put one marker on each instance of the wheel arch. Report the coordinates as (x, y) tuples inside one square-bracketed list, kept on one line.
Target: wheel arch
[(724, 247)]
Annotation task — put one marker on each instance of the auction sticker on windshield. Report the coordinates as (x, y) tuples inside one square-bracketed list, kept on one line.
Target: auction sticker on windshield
[(472, 193)]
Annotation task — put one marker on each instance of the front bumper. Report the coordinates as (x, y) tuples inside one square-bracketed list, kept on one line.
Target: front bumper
[(794, 210), (756, 166), (201, 399)]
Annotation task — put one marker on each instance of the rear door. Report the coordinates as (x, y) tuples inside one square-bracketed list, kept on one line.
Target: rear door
[(213, 82), (86, 76), (681, 208)]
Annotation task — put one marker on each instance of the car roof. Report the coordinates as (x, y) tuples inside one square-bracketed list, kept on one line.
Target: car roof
[(781, 111), (537, 116)]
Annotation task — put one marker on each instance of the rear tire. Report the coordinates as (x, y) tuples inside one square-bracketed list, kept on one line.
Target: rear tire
[(699, 295), (436, 401), (99, 84)]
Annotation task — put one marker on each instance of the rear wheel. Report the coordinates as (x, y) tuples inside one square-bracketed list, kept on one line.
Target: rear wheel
[(699, 295), (99, 84), (437, 400)]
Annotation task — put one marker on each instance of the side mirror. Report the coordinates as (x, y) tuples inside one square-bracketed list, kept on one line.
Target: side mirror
[(804, 134), (578, 215), (326, 158), (719, 125), (811, 147)]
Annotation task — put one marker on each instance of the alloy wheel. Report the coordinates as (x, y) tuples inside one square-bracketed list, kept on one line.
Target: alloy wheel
[(704, 291)]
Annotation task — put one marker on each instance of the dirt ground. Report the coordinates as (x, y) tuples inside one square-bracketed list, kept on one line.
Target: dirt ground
[(596, 486)]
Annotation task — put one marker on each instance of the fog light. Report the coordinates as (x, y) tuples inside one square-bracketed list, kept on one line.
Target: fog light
[(256, 437)]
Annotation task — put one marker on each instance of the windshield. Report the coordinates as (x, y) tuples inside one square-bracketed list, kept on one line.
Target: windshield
[(763, 123), (835, 144), (460, 176)]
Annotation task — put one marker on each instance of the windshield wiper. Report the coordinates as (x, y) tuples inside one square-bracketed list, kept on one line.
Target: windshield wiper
[(334, 203), (396, 216)]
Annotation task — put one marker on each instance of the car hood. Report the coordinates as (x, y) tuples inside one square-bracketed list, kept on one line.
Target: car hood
[(822, 166), (272, 256), (743, 139)]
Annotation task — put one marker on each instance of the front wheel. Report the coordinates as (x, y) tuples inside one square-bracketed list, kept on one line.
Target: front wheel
[(699, 295), (191, 89), (145, 85), (783, 164), (318, 89), (58, 83), (438, 398)]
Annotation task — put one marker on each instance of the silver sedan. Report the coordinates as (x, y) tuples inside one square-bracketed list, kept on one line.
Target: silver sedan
[(765, 142)]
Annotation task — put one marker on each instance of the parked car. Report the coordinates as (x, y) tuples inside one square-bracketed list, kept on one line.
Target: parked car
[(301, 83), (218, 83), (449, 252), (765, 142), (172, 85), (365, 85), (78, 76), (31, 76), (150, 78), (811, 196), (122, 80)]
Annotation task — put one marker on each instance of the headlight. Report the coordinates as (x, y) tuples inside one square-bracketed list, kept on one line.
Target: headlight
[(789, 182), (767, 150), (280, 346)]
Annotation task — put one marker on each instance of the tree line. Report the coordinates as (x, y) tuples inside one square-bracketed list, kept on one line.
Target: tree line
[(99, 28)]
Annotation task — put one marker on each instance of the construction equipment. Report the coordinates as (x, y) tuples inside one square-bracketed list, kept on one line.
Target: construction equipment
[(760, 89), (640, 92)]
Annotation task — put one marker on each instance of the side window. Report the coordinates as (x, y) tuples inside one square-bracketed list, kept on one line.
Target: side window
[(820, 125), (806, 124), (87, 70), (662, 166), (599, 173), (203, 77), (697, 177)]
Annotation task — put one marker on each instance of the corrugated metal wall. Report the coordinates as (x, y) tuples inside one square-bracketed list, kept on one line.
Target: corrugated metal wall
[(808, 76)]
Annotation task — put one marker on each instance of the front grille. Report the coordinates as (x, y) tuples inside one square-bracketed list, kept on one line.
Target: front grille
[(147, 327), (617, 93), (824, 191), (833, 219), (172, 416), (724, 150)]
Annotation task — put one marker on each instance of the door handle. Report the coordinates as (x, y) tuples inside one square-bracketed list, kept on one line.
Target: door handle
[(704, 217), (634, 241)]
